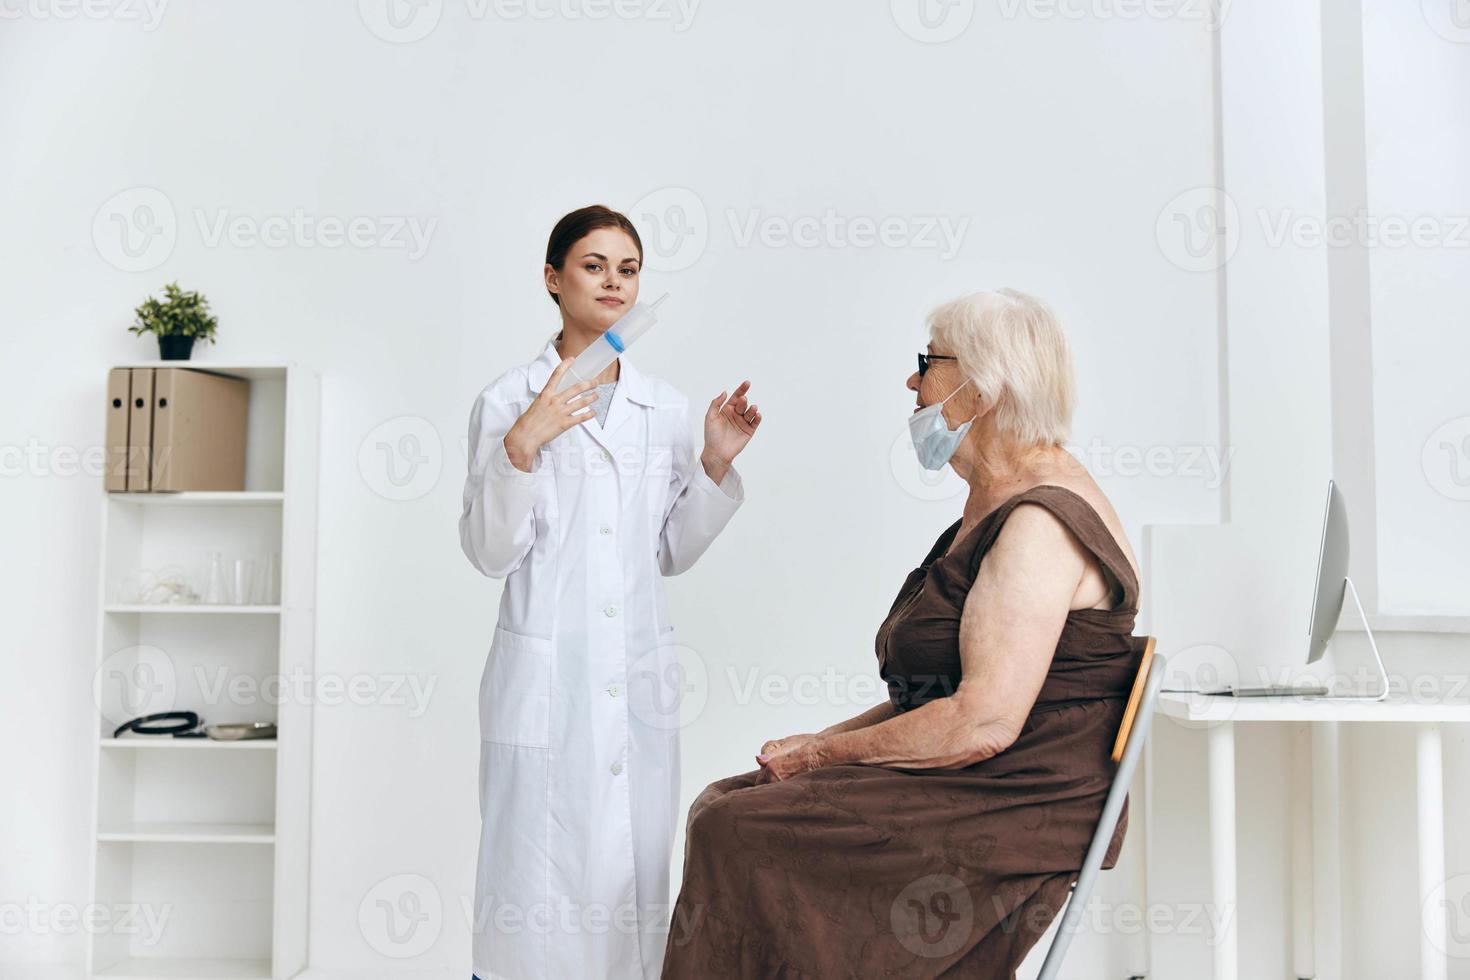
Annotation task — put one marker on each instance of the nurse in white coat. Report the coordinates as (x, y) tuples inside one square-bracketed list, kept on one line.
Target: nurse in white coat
[(579, 764)]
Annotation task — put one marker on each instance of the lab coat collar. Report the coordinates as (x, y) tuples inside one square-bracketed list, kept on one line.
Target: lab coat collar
[(631, 382)]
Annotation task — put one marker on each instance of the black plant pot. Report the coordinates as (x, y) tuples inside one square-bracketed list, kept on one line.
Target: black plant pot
[(175, 348)]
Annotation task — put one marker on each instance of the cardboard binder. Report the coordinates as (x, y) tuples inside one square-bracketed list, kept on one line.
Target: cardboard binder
[(198, 436), (140, 429), (115, 448)]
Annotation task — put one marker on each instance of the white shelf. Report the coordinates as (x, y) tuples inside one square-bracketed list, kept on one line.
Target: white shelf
[(193, 609), (166, 832), (221, 839), (207, 498), (164, 968), (156, 742)]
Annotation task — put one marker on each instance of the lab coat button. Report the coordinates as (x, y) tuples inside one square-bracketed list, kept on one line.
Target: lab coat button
[(615, 690), (606, 456), (611, 611), (604, 529), (617, 768)]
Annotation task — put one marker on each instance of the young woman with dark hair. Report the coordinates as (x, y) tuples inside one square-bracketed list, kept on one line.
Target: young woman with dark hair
[(581, 500)]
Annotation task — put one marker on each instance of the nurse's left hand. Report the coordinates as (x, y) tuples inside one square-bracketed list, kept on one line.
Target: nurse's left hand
[(729, 425), (784, 762)]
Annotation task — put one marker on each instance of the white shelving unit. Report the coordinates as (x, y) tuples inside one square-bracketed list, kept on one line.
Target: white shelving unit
[(206, 844)]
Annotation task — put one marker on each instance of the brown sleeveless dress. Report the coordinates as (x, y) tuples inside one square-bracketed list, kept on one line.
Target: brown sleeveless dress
[(869, 871)]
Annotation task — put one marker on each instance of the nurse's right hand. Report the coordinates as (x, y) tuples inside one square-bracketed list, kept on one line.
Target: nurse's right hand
[(547, 417)]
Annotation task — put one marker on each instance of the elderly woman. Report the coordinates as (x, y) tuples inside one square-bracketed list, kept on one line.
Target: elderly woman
[(938, 833)]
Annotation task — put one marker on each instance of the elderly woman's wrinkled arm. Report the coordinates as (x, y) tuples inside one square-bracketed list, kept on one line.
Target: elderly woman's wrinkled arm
[(1012, 620)]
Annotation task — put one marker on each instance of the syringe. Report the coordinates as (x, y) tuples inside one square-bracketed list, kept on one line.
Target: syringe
[(614, 340)]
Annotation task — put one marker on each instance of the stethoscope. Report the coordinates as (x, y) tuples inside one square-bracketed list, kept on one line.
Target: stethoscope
[(188, 724)]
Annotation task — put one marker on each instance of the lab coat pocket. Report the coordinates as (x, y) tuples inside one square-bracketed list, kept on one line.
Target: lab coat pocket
[(515, 690)]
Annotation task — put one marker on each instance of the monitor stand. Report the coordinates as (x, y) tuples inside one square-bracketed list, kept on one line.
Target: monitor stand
[(1377, 657)]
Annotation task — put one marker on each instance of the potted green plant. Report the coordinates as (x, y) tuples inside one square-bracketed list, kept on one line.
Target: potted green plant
[(178, 320)]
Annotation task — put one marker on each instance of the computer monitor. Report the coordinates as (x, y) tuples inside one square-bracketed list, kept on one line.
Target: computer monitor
[(1332, 574)]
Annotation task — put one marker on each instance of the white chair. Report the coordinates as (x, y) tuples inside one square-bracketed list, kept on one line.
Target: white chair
[(1127, 749)]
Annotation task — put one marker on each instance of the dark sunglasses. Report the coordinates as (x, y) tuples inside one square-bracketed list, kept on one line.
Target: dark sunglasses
[(924, 360)]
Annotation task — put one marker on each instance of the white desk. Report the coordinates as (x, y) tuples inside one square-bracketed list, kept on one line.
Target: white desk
[(1316, 829)]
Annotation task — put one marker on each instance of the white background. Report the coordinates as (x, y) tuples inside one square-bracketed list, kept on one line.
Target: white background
[(1062, 145)]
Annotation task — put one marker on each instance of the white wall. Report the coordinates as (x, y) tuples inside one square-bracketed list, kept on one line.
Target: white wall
[(1063, 146), (1418, 158)]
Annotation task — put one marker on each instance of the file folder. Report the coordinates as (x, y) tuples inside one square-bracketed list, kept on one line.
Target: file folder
[(198, 437), (115, 446), (140, 430)]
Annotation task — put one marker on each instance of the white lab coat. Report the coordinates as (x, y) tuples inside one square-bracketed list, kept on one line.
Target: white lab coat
[(579, 763)]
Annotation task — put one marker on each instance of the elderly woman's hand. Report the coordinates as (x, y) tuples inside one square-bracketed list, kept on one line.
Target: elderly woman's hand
[(789, 742), (789, 757)]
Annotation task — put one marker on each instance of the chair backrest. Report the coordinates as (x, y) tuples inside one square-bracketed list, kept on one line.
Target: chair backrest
[(1135, 697), (1138, 717)]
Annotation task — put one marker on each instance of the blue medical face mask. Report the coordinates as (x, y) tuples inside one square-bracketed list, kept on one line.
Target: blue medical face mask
[(934, 441)]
